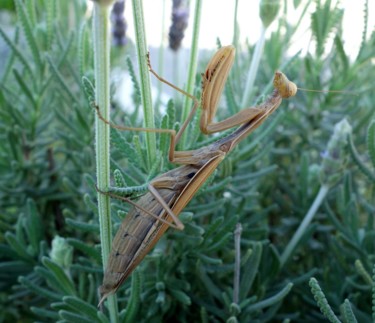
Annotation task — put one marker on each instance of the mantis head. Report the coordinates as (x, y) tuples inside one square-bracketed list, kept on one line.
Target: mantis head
[(285, 87)]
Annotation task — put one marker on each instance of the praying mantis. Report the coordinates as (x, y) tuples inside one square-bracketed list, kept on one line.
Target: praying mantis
[(169, 193)]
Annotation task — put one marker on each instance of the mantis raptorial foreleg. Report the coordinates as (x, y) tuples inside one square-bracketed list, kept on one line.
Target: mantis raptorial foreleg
[(213, 82)]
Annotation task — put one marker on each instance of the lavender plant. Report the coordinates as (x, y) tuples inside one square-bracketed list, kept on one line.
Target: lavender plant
[(180, 18), (50, 260), (119, 25)]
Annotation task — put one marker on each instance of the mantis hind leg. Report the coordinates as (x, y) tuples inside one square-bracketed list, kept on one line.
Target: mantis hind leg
[(176, 224)]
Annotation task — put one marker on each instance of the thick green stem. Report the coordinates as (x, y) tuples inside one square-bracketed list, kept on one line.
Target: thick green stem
[(101, 61), (253, 69), (142, 50), (237, 263), (235, 77), (192, 65), (236, 33), (305, 223)]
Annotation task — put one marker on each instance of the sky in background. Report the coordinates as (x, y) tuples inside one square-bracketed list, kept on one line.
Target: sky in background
[(217, 21)]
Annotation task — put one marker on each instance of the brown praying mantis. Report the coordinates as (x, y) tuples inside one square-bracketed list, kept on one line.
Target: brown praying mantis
[(169, 193)]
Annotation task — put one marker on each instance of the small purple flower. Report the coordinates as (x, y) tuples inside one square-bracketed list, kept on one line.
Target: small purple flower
[(180, 17), (119, 24)]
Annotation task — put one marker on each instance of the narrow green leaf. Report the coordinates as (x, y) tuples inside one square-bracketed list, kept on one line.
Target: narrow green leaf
[(341, 53), (208, 283), (90, 251), (322, 301), (171, 112), (138, 148), (119, 178), (83, 226), (28, 31), (19, 248), (132, 191), (347, 312), (363, 272), (218, 245), (25, 88), (81, 306), (137, 90), (61, 80), (89, 89), (63, 59), (83, 123), (90, 268), (30, 7), (209, 260), (229, 95), (164, 142), (73, 318), (135, 298), (357, 158), (65, 282), (17, 52), (45, 313), (102, 318), (365, 26), (85, 49), (180, 296), (271, 300), (214, 225), (38, 290), (304, 179), (371, 142), (250, 270), (14, 268), (127, 149), (10, 62), (34, 227), (91, 204), (50, 18)]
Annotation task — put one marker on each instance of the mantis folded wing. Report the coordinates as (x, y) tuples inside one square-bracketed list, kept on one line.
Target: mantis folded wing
[(170, 192)]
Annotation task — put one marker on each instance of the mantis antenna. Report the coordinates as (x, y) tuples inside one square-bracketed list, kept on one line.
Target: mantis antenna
[(328, 91)]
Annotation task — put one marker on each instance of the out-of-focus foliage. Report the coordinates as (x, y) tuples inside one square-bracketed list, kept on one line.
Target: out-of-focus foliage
[(50, 260)]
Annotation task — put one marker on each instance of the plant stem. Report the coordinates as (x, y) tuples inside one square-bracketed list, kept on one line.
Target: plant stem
[(176, 74), (161, 60), (236, 75), (305, 223), (101, 66), (236, 33), (253, 68), (192, 65), (142, 50), (237, 263)]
